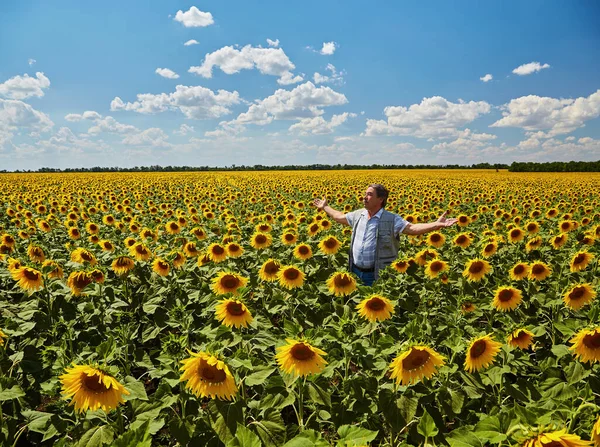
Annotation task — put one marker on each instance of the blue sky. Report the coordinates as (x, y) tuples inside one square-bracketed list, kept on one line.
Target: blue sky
[(114, 84)]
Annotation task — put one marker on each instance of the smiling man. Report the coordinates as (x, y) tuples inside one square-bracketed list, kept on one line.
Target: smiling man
[(375, 232)]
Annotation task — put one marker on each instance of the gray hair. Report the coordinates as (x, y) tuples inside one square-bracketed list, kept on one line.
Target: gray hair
[(381, 192)]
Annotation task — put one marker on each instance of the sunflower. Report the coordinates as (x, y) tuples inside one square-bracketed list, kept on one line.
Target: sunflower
[(234, 250), (579, 295), (191, 250), (268, 271), (203, 259), (290, 277), (261, 240), (595, 435), (539, 271), (414, 364), (36, 253), (140, 252), (532, 227), (288, 238), (434, 267), (313, 229), (467, 307), (436, 239), (263, 228), (519, 271), (233, 313), (91, 388), (106, 245), (476, 269), (516, 235), (489, 249), (173, 227), (462, 240), (481, 353), (341, 284), (81, 256), (586, 345), (3, 337), (8, 240), (329, 245), (303, 252), (423, 256), (122, 265), (52, 269), (401, 265), (375, 308), (565, 226), (580, 261), (556, 439), (178, 259), (216, 252), (97, 275), (559, 240), (78, 281), (533, 244), (520, 338), (74, 233), (507, 298), (28, 279), (92, 228), (228, 282), (161, 267), (463, 220), (299, 358), (207, 376), (199, 232)]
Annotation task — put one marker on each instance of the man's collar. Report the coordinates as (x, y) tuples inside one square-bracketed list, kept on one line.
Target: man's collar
[(377, 214)]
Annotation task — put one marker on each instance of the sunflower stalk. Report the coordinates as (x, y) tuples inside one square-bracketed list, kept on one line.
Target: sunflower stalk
[(301, 384), (580, 409)]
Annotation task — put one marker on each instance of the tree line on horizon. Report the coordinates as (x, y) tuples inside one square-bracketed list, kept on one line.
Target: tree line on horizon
[(553, 166)]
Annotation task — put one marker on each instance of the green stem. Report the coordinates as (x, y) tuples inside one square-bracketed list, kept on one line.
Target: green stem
[(579, 410), (301, 404)]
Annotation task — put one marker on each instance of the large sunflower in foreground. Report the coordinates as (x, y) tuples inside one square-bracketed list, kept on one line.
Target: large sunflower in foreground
[(580, 261), (463, 240), (423, 256), (507, 298), (234, 250), (52, 269), (261, 240), (28, 279), (556, 439), (436, 239), (233, 313), (375, 308), (122, 265), (586, 345), (78, 281), (140, 252), (299, 358), (401, 265), (341, 284), (302, 252), (290, 277), (330, 245), (216, 252), (414, 364), (268, 271), (481, 353), (228, 282), (91, 389), (36, 253), (207, 376), (579, 295), (519, 271), (161, 267), (81, 256), (539, 271), (476, 269), (558, 240), (434, 267), (520, 338)]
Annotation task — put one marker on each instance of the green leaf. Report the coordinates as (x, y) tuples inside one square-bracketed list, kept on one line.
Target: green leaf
[(244, 437), (11, 393), (259, 376), (427, 426), (135, 388), (560, 351), (463, 437), (271, 429), (36, 421), (489, 429), (97, 437), (224, 418), (139, 437), (408, 407), (181, 430), (319, 395), (353, 436)]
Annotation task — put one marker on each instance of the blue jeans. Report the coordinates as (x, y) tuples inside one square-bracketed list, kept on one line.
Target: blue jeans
[(366, 277)]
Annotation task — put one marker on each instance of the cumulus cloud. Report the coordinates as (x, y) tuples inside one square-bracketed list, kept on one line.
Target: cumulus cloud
[(166, 73), (269, 61), (87, 115), (225, 130), (191, 42), (531, 67), (273, 43), (434, 117), (15, 115), (467, 141), (318, 125), (556, 116), (22, 87), (193, 17), (487, 78), (336, 77), (328, 48), (184, 129), (31, 62), (194, 102), (153, 136), (110, 125)]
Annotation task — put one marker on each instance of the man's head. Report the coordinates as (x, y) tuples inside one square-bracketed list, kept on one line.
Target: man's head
[(375, 197)]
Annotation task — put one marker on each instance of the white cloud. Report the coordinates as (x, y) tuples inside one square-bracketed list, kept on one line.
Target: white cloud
[(31, 62), (467, 142), (21, 87), (194, 18), (269, 61), (531, 67), (336, 77), (110, 125), (191, 42), (87, 115), (328, 48), (166, 73), (16, 115), (434, 117), (318, 126), (487, 78), (273, 43), (184, 129), (150, 137), (557, 116), (194, 102), (225, 130)]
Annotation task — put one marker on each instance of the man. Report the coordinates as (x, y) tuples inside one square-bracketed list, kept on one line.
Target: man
[(375, 231)]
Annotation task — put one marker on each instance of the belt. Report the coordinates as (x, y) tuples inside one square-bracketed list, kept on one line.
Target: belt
[(369, 270)]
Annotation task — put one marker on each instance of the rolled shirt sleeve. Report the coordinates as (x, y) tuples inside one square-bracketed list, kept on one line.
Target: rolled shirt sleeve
[(399, 224)]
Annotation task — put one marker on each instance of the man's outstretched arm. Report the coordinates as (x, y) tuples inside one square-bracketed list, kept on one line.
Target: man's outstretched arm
[(422, 228), (336, 215)]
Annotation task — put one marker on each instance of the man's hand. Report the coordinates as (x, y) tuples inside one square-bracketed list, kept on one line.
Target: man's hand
[(320, 203), (444, 222)]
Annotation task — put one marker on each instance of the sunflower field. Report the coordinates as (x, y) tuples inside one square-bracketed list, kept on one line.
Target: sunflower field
[(216, 309)]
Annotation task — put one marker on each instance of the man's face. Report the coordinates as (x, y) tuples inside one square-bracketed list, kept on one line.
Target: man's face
[(371, 201)]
